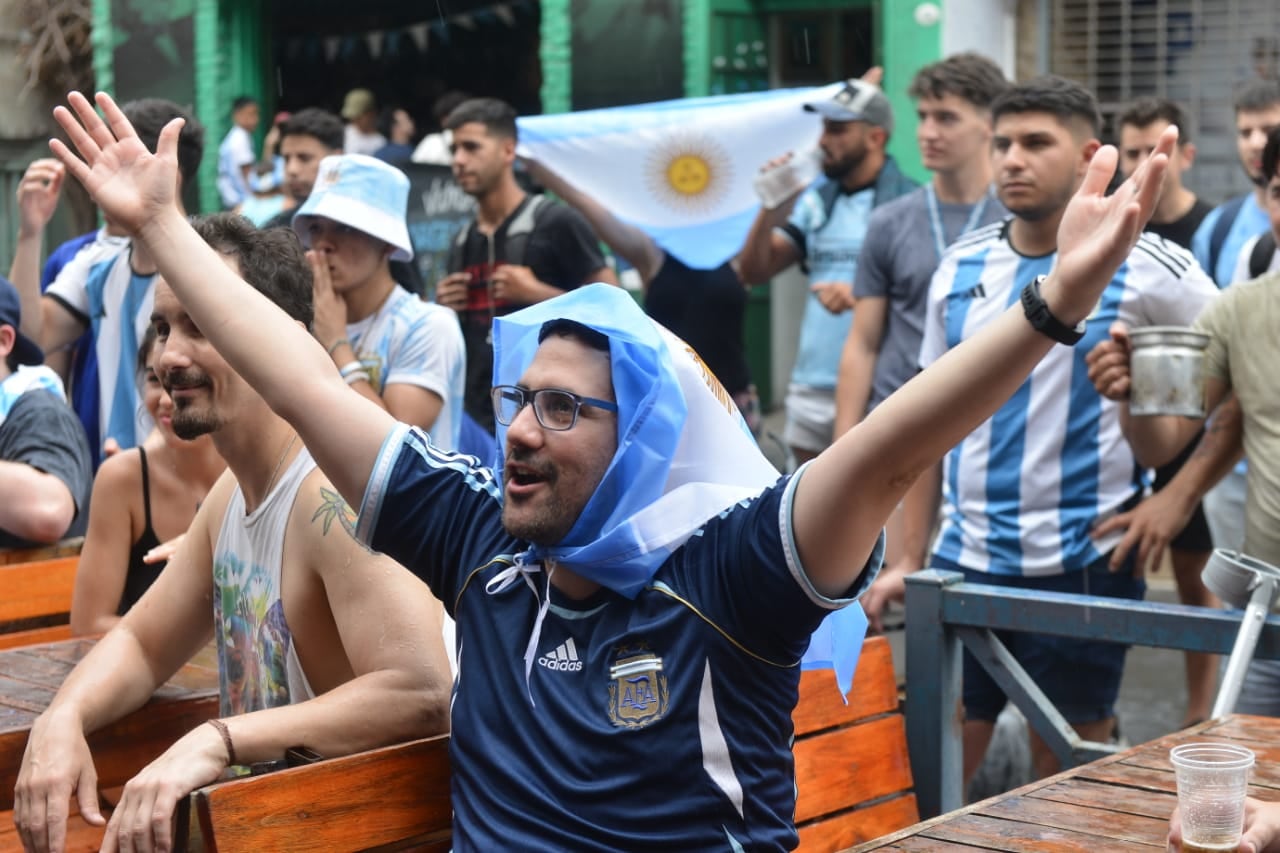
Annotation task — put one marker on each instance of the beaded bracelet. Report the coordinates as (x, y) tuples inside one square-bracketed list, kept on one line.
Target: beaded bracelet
[(349, 368), (333, 347), (226, 740), (357, 375)]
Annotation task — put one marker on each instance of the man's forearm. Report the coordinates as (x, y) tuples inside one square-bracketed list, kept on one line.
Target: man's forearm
[(34, 505), (369, 711), (1156, 439), (853, 386), (112, 680), (1217, 452), (755, 261), (24, 272), (920, 515)]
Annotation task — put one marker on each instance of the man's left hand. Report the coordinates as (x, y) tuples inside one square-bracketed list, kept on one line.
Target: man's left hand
[(143, 820), (835, 296), (512, 283)]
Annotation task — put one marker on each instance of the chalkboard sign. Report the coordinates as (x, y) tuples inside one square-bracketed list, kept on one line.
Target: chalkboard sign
[(437, 211)]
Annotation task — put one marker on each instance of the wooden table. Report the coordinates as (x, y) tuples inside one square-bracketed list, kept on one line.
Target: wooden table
[(29, 677), (1119, 803)]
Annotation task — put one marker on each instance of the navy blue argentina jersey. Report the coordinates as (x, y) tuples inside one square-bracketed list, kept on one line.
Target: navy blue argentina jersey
[(663, 722), (1023, 490)]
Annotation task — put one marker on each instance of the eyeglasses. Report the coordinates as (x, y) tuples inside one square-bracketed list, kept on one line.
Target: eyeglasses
[(555, 409)]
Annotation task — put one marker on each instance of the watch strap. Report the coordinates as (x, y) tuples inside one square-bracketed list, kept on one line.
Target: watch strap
[(1042, 319)]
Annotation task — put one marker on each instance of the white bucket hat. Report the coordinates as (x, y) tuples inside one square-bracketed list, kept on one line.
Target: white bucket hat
[(364, 193)]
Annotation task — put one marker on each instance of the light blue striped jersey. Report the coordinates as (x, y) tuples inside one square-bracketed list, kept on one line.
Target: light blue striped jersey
[(1023, 490), (418, 343)]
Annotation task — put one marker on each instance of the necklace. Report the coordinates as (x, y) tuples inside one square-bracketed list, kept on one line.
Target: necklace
[(935, 218), (279, 462)]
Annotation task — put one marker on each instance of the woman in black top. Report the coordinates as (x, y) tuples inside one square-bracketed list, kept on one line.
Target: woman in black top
[(142, 498)]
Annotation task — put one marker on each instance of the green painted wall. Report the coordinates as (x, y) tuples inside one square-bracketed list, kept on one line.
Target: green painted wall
[(103, 40), (906, 46), (557, 60)]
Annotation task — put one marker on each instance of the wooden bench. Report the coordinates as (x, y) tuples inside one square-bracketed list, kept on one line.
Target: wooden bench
[(852, 772), (37, 585), (395, 798)]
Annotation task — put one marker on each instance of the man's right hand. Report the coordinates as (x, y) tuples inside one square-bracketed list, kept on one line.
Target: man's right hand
[(890, 585), (451, 291), (38, 194), (1149, 527), (55, 765), (1109, 364), (131, 185)]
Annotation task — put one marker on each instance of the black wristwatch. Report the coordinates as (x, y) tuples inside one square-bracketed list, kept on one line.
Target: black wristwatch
[(1042, 319)]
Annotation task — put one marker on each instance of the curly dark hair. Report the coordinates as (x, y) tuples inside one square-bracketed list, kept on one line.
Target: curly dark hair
[(971, 76), (271, 260)]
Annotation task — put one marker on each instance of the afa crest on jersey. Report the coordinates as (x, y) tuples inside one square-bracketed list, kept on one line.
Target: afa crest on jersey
[(637, 688)]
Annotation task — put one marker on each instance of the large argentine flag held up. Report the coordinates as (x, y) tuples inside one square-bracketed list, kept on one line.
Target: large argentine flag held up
[(680, 170)]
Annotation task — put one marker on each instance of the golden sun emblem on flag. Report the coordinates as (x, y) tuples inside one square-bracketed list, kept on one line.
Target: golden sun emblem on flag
[(688, 173)]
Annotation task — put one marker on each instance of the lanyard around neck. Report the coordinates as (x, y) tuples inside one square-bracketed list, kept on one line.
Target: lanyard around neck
[(935, 218)]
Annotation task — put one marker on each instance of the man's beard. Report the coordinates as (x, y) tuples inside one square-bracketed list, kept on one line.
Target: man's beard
[(840, 168), (189, 424)]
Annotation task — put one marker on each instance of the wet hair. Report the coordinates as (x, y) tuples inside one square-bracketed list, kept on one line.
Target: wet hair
[(325, 127), (1271, 156), (585, 335), (149, 116), (498, 117), (1064, 99), (971, 76), (271, 260), (1145, 112), (241, 102), (1258, 95)]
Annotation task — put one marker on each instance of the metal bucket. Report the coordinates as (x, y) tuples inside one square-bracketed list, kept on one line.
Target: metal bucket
[(1233, 576), (1166, 371)]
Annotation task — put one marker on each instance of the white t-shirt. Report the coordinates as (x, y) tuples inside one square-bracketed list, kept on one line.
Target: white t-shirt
[(235, 152), (356, 142), (1023, 491), (417, 343)]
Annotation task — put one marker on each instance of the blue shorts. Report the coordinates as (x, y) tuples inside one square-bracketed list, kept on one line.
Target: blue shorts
[(1080, 677)]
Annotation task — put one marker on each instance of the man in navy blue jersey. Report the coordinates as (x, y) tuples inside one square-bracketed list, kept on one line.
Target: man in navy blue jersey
[(632, 684)]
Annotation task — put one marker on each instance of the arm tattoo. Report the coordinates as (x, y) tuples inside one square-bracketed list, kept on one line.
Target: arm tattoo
[(332, 507)]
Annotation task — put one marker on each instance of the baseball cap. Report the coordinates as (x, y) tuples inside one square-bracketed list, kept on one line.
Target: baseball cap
[(357, 103), (25, 350), (361, 192), (857, 101)]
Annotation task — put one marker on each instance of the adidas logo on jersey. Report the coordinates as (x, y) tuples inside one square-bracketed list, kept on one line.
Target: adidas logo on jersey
[(564, 658)]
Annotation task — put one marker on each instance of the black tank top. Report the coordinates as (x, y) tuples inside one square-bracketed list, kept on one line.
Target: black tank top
[(141, 575)]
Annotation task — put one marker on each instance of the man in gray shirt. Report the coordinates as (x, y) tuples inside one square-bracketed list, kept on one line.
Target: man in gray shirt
[(953, 99)]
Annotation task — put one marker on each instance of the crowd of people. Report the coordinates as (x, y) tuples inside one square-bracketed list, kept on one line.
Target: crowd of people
[(300, 459)]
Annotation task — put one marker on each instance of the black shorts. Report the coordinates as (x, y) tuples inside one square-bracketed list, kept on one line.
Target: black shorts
[(1195, 536)]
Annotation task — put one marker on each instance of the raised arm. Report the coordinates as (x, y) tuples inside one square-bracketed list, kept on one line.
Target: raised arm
[(766, 251), (282, 362), (629, 242), (845, 495)]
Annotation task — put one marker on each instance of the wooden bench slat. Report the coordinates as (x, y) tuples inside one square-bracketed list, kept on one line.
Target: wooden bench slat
[(844, 830), (875, 691), (847, 766), (377, 798), (41, 588), (33, 636), (81, 837)]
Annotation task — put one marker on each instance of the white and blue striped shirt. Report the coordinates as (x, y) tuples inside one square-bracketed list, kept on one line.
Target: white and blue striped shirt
[(1023, 490)]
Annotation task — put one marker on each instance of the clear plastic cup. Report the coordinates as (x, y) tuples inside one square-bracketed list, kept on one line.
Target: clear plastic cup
[(1213, 779)]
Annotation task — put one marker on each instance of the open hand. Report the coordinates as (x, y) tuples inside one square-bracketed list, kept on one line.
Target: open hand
[(1149, 527), (131, 184), (38, 194), (1098, 231), (1109, 364)]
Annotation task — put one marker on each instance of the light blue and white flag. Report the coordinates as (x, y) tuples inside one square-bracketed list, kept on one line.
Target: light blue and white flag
[(680, 170)]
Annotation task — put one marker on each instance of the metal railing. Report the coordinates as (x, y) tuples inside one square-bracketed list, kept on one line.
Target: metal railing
[(945, 614)]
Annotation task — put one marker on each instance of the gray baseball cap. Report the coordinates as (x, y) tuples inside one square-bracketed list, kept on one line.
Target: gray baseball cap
[(857, 101)]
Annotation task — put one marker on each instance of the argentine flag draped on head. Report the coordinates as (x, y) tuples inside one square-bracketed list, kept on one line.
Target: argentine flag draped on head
[(684, 455), (679, 170)]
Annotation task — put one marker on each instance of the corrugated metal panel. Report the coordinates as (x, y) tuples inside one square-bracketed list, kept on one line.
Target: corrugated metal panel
[(1196, 52)]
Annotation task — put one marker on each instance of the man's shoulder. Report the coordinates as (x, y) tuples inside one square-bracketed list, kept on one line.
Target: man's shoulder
[(1155, 258), (904, 206), (981, 240), (553, 213)]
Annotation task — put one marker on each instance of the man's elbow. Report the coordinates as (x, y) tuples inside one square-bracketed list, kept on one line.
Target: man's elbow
[(46, 518)]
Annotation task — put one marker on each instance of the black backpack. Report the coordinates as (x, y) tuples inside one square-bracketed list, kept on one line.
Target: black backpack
[(1263, 252)]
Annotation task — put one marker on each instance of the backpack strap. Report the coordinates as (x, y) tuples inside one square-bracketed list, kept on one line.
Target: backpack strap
[(1221, 228), (1263, 252)]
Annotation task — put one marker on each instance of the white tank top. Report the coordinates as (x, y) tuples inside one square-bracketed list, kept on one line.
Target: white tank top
[(257, 664)]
